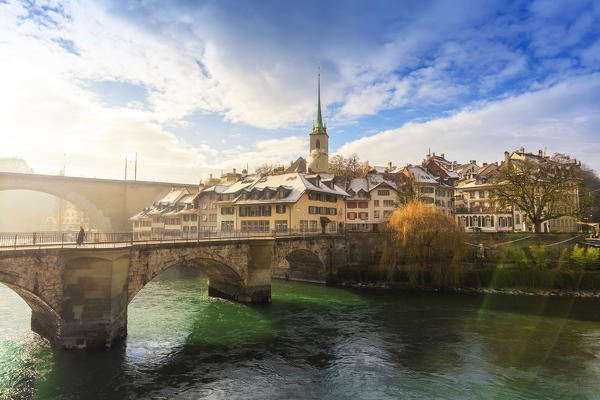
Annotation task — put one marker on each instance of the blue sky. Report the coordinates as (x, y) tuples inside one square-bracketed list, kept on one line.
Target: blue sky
[(198, 87)]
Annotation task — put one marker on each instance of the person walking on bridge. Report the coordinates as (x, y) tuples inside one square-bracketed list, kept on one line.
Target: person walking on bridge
[(80, 236)]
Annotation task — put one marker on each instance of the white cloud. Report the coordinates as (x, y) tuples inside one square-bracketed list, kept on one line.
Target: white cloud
[(563, 118)]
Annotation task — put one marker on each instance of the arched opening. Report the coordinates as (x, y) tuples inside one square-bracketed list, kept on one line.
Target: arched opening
[(219, 275), (174, 309), (306, 266), (318, 144), (41, 211), (22, 308)]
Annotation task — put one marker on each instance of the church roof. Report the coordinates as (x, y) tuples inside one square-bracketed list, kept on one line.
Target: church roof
[(319, 127)]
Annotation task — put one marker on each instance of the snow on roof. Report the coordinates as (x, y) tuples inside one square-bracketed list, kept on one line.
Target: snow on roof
[(472, 184), (379, 169), (420, 175), (378, 180), (173, 196), (296, 183)]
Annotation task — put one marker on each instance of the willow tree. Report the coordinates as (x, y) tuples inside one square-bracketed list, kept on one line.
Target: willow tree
[(543, 189), (422, 236)]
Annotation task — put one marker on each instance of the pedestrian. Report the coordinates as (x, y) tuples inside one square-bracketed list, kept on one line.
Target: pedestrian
[(80, 236)]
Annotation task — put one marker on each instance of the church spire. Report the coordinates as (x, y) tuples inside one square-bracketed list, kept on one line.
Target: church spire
[(319, 127)]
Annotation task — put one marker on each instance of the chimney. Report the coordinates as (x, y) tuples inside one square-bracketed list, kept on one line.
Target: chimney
[(434, 153), (234, 170), (540, 153), (506, 157), (522, 150), (389, 166), (210, 176), (443, 155)]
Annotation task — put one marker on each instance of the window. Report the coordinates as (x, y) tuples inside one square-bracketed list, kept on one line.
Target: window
[(488, 222), (204, 206), (351, 215), (351, 204), (471, 195), (255, 226), (363, 204), (186, 228), (331, 227), (518, 219), (186, 218), (227, 211), (313, 226), (281, 226), (303, 226), (322, 210), (212, 218), (255, 211), (280, 209), (375, 203), (388, 203), (383, 192), (427, 189), (376, 214), (204, 217), (427, 200), (363, 215), (387, 213), (194, 217), (192, 229), (226, 226)]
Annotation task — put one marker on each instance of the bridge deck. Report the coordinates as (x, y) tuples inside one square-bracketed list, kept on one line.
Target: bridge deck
[(39, 240)]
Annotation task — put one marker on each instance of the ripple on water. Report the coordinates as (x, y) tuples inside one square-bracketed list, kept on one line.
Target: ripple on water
[(312, 342)]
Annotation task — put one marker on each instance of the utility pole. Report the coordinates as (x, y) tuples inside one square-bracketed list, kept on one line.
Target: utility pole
[(135, 173), (126, 168)]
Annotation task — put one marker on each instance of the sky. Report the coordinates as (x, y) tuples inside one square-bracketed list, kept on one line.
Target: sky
[(199, 87)]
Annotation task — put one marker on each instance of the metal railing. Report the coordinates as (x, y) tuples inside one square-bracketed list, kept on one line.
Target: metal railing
[(123, 239)]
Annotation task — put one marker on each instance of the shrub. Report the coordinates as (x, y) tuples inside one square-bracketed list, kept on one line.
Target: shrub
[(584, 259), (563, 260), (423, 236), (540, 256)]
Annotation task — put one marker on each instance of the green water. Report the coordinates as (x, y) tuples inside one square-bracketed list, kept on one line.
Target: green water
[(316, 342)]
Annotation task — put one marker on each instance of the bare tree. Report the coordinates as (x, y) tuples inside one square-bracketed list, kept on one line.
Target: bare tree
[(265, 169), (348, 168), (543, 190)]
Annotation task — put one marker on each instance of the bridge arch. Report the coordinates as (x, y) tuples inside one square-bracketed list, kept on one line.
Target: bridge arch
[(305, 260), (224, 280), (45, 320), (85, 205)]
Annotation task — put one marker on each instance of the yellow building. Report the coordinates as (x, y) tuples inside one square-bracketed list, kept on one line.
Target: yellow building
[(293, 202)]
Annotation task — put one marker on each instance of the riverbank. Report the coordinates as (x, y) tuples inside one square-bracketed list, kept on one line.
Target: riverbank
[(487, 280), (470, 291)]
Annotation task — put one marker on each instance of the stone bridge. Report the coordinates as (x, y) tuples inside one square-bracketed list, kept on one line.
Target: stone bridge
[(79, 297), (107, 202)]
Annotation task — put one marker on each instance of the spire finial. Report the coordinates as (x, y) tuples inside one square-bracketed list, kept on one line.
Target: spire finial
[(319, 122)]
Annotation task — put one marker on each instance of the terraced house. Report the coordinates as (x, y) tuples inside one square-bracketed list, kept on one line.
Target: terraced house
[(282, 203), (371, 202)]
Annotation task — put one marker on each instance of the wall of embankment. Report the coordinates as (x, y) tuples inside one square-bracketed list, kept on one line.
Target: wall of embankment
[(485, 266)]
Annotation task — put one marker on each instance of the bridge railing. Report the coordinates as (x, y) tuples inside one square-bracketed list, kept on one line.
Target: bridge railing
[(15, 240)]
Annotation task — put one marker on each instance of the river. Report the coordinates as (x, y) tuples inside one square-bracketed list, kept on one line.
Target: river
[(316, 342)]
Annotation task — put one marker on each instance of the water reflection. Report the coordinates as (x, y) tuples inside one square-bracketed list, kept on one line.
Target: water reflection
[(317, 342)]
